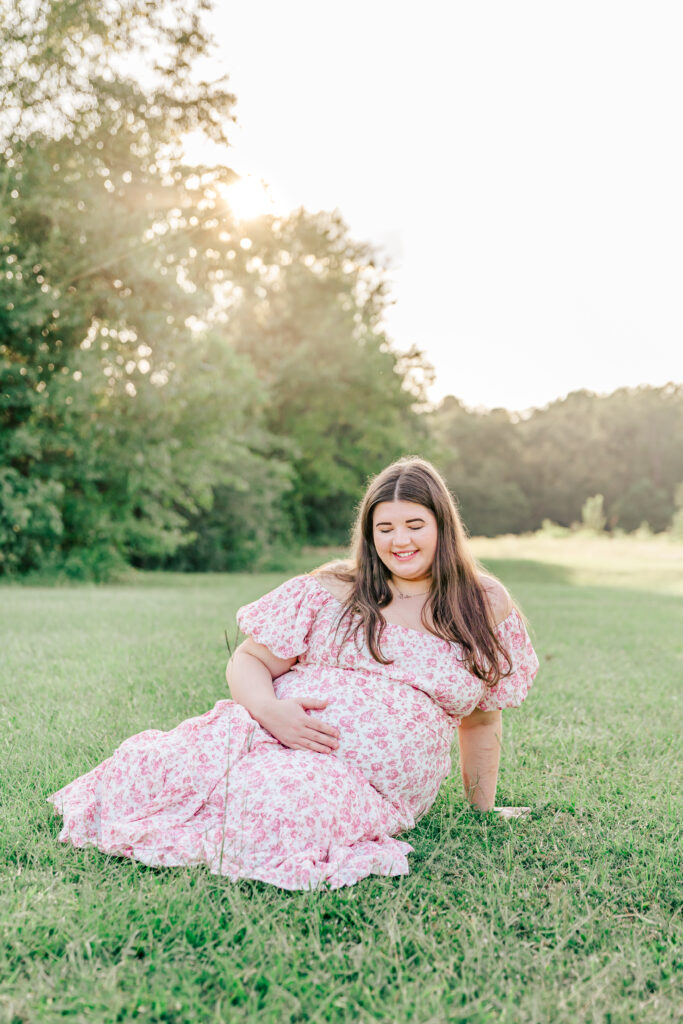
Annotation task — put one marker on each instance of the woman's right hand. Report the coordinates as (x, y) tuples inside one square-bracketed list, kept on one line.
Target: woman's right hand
[(512, 812), (288, 722)]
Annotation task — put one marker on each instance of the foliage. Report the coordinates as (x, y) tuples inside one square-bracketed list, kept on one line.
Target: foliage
[(592, 513), (311, 324), (244, 527), (676, 527), (479, 453), (551, 529), (117, 417), (626, 446), (511, 472), (168, 378)]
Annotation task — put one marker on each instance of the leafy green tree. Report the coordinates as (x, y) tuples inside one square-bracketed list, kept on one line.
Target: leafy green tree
[(117, 416), (642, 501), (480, 455), (625, 446), (511, 473), (311, 322)]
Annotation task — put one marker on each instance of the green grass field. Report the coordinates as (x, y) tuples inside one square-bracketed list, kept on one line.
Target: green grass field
[(570, 915)]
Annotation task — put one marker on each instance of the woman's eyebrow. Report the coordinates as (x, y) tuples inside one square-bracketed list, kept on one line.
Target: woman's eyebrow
[(417, 519)]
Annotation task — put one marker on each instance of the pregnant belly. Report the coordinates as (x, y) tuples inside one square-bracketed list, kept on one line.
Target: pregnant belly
[(394, 734)]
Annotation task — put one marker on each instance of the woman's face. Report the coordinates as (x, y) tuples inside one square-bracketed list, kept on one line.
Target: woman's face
[(405, 536)]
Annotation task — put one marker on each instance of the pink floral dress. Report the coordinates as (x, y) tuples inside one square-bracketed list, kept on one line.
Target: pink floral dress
[(221, 791)]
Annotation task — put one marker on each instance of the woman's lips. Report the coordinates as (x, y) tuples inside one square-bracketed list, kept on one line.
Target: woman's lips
[(403, 556)]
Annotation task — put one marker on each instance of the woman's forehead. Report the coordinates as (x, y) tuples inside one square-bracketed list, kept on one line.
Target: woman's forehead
[(401, 511)]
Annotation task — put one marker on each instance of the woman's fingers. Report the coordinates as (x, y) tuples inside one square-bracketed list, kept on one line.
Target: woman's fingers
[(312, 745), (312, 740), (331, 742), (315, 723), (300, 731)]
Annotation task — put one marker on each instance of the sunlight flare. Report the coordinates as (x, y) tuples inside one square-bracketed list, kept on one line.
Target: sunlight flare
[(248, 197)]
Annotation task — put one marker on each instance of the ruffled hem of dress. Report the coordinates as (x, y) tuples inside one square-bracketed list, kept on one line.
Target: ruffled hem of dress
[(311, 868), (334, 868)]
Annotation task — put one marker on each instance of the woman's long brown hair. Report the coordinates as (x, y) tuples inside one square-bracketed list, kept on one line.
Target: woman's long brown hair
[(457, 606)]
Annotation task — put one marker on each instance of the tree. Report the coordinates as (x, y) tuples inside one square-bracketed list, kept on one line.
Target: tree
[(625, 446), (480, 455), (311, 323), (117, 417), (511, 473)]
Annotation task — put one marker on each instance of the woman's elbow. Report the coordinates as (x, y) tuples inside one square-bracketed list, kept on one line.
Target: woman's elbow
[(479, 718)]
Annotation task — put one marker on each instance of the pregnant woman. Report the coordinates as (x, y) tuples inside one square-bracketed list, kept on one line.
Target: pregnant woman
[(346, 696)]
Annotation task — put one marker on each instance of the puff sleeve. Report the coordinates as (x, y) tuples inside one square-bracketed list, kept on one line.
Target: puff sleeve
[(281, 620), (511, 690)]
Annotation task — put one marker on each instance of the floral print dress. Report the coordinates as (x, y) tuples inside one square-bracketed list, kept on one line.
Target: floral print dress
[(220, 790)]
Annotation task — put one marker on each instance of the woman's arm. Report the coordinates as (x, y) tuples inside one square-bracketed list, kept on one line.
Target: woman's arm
[(481, 733), (480, 736), (250, 673)]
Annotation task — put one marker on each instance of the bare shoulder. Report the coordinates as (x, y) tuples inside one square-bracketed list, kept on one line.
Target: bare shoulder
[(327, 577), (498, 598)]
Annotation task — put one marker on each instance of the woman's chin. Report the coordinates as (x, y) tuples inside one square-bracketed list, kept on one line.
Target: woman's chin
[(410, 570)]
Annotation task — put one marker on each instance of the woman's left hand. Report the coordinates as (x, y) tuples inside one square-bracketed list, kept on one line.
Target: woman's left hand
[(511, 812)]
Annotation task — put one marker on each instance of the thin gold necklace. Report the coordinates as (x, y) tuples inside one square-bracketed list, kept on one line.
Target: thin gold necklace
[(404, 597)]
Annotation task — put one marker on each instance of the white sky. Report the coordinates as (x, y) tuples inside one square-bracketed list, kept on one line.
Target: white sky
[(520, 161)]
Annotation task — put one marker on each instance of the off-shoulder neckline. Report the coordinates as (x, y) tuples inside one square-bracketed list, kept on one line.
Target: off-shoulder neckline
[(397, 625)]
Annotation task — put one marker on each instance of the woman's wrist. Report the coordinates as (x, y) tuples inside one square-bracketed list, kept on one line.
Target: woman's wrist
[(482, 806), (261, 707)]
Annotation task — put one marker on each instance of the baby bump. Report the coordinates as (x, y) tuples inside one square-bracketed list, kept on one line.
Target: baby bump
[(395, 736)]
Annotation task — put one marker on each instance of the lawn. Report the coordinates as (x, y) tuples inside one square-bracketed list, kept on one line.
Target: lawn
[(570, 915)]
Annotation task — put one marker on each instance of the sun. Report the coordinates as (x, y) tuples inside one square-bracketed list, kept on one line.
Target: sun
[(248, 197)]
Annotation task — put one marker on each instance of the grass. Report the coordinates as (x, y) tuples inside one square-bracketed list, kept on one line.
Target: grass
[(571, 915)]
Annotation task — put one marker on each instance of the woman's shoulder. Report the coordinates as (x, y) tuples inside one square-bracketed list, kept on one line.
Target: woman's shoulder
[(336, 578), (499, 601)]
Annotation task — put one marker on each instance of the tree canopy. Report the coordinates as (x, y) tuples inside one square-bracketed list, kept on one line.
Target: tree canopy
[(147, 357), (513, 472)]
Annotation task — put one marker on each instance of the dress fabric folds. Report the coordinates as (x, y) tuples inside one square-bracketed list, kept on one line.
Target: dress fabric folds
[(219, 790)]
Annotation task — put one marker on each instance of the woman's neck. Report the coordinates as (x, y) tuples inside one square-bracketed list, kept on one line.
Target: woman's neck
[(404, 589)]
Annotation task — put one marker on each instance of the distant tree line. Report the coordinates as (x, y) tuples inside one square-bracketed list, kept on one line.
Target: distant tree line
[(179, 389), (512, 472)]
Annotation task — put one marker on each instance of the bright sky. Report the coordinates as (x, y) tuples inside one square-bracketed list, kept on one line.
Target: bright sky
[(520, 162)]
